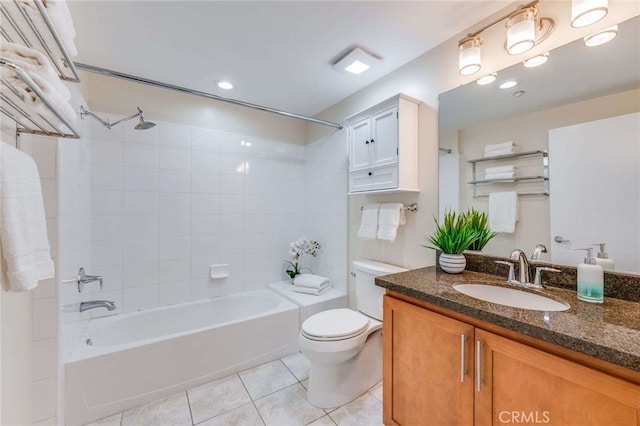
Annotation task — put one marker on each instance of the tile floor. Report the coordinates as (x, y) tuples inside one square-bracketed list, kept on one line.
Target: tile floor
[(270, 394)]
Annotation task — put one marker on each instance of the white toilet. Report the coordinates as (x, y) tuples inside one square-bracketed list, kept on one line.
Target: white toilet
[(344, 347)]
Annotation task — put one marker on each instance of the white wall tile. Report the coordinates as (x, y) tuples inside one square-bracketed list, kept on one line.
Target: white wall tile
[(98, 131), (176, 292), (258, 167), (106, 228), (232, 223), (174, 136), (135, 251), (203, 288), (111, 277), (141, 227), (43, 399), (232, 184), (175, 248), (205, 247), (106, 253), (175, 204), (138, 298), (232, 243), (203, 161), (205, 183), (205, 225), (106, 152), (174, 270), (200, 265), (175, 226), (43, 359), (140, 274), (140, 179), (232, 144), (175, 181), (139, 155), (141, 203), (204, 204), (205, 140), (232, 164), (43, 319), (230, 204), (150, 136), (106, 202), (172, 158), (106, 177)]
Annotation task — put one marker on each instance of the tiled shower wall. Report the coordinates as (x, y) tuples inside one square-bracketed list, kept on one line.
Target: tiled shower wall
[(169, 201)]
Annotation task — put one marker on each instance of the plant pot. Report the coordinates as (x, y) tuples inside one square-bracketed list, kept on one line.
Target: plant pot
[(452, 263)]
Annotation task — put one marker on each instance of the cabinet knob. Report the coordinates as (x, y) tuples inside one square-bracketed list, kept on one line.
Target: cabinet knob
[(367, 142), (370, 173), (372, 141)]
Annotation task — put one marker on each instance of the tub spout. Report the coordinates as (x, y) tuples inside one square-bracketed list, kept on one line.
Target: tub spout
[(92, 304)]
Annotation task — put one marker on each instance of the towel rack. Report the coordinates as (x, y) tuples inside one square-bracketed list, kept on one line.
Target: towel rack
[(33, 37), (29, 121), (411, 207)]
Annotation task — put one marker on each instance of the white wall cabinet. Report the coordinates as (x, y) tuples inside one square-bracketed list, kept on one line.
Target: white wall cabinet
[(383, 147)]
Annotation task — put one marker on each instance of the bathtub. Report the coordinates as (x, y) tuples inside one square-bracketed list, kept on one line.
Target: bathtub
[(142, 356)]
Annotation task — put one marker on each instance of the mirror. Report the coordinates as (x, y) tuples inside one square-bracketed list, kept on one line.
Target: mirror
[(551, 110)]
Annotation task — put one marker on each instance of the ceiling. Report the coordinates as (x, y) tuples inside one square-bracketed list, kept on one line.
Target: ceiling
[(279, 54)]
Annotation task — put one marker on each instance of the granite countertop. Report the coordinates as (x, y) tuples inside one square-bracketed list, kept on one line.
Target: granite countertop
[(610, 331)]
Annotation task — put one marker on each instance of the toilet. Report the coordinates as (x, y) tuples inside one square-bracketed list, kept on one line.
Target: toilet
[(344, 347)]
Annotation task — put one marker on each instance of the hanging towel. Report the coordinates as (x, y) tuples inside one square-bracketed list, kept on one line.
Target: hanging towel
[(391, 216), (498, 146), (503, 211), (369, 225), (23, 231), (35, 63), (311, 284)]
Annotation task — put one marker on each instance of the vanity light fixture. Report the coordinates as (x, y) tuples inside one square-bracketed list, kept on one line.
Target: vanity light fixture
[(355, 62), (601, 37), (508, 84), (587, 12), (536, 61), (224, 84), (469, 55), (487, 79)]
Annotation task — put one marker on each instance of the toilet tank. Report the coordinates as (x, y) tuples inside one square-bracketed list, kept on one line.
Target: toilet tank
[(368, 295)]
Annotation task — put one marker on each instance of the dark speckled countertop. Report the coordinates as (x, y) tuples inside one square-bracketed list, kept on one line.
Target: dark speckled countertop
[(610, 331)]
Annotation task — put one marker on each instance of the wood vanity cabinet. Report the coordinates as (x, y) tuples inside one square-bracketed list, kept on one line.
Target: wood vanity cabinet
[(435, 376)]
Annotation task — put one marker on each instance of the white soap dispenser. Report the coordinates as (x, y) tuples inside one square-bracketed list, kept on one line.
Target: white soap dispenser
[(590, 279), (602, 258)]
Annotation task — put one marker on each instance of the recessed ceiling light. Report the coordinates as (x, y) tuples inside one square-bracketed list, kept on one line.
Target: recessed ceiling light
[(356, 62), (518, 93), (508, 84), (224, 84), (536, 60), (487, 79), (601, 37)]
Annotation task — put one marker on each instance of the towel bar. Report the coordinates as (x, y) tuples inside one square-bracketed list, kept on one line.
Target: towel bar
[(411, 207)]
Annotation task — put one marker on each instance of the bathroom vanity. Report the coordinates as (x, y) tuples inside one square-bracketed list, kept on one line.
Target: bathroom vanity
[(454, 359)]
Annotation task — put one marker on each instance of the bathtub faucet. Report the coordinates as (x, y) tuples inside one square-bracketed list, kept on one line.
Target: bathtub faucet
[(92, 304)]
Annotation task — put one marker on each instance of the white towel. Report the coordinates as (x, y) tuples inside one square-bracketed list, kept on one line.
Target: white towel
[(498, 146), (506, 175), (311, 284), (23, 230), (499, 152), (58, 13), (369, 225), (35, 63), (503, 211), (500, 169), (391, 216)]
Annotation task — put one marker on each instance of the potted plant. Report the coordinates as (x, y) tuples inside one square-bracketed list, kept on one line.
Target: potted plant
[(479, 223), (452, 237), (299, 248)]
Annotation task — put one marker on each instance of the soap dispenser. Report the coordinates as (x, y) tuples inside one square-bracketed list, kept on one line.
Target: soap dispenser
[(602, 258), (590, 279)]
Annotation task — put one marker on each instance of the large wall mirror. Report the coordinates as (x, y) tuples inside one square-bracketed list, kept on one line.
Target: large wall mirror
[(582, 107)]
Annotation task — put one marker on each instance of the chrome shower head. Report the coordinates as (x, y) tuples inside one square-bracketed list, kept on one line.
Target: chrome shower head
[(143, 124)]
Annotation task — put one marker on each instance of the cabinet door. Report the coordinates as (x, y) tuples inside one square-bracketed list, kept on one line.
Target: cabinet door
[(428, 371), (360, 134), (522, 385), (384, 141)]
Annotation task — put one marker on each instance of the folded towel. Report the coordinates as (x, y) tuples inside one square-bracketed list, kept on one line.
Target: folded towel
[(60, 17), (500, 169), (503, 211), (35, 63), (35, 103), (499, 152), (310, 281), (505, 175), (391, 216), (23, 231), (498, 146), (315, 291), (369, 225)]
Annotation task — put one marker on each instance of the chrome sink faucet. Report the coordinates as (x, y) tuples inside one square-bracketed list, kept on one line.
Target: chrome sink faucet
[(92, 304), (519, 256), (537, 252)]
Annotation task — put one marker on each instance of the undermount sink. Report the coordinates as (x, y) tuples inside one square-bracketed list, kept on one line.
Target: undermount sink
[(511, 297)]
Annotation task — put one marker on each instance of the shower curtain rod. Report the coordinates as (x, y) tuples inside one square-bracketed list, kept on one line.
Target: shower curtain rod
[(142, 80)]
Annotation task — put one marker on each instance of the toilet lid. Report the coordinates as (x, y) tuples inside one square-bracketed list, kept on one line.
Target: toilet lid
[(335, 324)]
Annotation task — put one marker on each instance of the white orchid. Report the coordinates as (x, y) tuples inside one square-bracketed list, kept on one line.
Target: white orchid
[(298, 248)]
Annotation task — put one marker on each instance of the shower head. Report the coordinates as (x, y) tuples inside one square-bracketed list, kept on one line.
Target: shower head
[(143, 124)]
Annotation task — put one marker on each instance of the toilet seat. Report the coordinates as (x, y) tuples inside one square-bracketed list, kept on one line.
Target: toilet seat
[(334, 325)]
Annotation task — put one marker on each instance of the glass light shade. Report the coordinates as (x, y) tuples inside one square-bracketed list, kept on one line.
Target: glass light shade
[(536, 60), (487, 79), (508, 84), (469, 56), (587, 12), (601, 37), (521, 31)]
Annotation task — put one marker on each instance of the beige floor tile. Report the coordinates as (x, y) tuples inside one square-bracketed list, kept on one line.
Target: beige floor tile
[(288, 407), (377, 391), (266, 379), (173, 410), (323, 421), (298, 364), (114, 420), (217, 397), (365, 410), (246, 415)]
